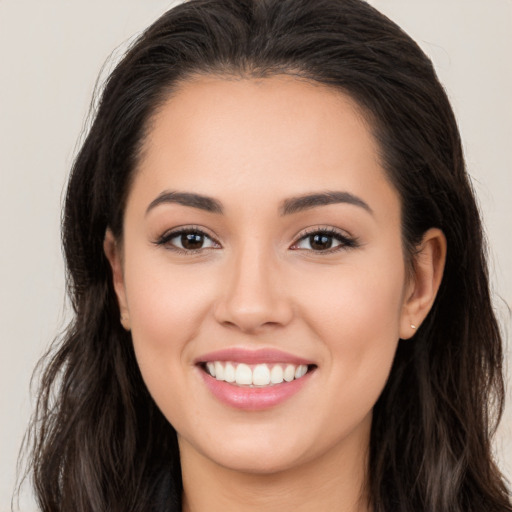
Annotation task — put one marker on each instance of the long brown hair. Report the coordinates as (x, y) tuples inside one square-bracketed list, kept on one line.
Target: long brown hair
[(98, 440)]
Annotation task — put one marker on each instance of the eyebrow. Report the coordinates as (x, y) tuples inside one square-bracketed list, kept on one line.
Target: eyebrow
[(187, 199), (289, 206), (305, 202)]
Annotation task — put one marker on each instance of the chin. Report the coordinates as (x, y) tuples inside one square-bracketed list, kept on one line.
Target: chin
[(257, 462), (259, 452)]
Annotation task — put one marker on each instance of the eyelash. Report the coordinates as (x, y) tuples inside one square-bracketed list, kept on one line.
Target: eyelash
[(345, 242), (166, 238)]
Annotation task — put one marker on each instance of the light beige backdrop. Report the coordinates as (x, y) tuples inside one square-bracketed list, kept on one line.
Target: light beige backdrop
[(50, 55)]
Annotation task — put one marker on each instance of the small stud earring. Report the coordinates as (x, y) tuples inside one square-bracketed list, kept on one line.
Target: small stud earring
[(413, 326), (124, 322)]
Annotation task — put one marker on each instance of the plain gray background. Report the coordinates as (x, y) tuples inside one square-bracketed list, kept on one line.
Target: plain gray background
[(51, 53)]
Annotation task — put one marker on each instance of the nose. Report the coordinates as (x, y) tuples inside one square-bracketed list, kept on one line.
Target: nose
[(253, 297)]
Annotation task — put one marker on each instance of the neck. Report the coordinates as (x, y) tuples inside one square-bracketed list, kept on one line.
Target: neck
[(333, 481)]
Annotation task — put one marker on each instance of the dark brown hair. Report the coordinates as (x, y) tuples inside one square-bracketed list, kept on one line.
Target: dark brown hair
[(98, 440)]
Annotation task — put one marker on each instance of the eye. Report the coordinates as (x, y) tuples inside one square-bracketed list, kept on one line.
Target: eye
[(326, 240), (188, 240)]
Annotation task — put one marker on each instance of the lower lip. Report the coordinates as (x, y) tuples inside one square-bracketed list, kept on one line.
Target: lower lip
[(253, 399)]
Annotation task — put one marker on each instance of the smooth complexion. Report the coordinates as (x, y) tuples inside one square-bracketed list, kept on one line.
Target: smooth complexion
[(266, 270)]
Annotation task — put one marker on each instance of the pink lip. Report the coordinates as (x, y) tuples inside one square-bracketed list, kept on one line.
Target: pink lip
[(240, 355), (247, 398), (253, 399)]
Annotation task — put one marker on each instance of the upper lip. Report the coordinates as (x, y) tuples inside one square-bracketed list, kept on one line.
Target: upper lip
[(254, 356)]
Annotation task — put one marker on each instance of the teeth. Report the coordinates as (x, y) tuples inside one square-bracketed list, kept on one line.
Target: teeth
[(300, 371), (258, 375), (261, 375), (276, 374), (289, 373), (243, 374), (229, 373), (219, 371), (211, 369)]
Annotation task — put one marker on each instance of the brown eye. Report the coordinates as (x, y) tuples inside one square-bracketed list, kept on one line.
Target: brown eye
[(188, 240), (192, 241), (320, 242), (324, 241)]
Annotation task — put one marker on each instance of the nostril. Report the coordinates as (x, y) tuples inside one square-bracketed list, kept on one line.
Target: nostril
[(250, 306)]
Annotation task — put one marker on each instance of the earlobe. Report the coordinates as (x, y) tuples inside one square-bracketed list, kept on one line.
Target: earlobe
[(113, 253), (428, 267)]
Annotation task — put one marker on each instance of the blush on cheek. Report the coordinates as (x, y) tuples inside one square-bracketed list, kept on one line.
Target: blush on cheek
[(166, 300)]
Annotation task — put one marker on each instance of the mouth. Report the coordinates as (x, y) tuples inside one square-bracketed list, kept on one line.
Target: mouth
[(254, 380), (255, 375)]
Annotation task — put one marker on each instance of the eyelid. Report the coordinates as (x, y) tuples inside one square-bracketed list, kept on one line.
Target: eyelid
[(347, 240), (169, 234)]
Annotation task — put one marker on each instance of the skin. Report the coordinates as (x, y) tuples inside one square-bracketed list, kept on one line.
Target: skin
[(252, 144)]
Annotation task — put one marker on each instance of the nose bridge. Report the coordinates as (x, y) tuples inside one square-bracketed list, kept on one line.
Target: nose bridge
[(253, 297)]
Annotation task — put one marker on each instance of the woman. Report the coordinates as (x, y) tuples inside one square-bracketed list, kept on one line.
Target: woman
[(276, 264)]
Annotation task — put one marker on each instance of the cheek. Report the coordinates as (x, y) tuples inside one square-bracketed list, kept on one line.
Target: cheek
[(167, 305), (357, 315), (356, 301)]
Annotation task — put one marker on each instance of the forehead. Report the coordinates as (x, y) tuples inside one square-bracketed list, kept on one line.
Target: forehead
[(293, 111), (218, 136)]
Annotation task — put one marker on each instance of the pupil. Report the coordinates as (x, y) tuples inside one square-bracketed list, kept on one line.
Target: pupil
[(192, 240), (320, 242)]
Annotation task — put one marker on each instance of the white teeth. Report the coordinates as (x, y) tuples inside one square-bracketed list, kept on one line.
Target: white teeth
[(258, 375), (229, 373), (301, 371), (211, 368), (289, 373), (261, 375), (243, 374), (276, 374), (219, 371)]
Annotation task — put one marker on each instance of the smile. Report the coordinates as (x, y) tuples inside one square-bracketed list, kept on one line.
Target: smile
[(254, 380), (260, 375)]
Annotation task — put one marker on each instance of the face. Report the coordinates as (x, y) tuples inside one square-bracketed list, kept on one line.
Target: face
[(262, 244)]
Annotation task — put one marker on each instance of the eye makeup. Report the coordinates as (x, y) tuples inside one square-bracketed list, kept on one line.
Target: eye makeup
[(193, 239)]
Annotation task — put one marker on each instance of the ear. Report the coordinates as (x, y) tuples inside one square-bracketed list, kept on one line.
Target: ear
[(423, 285), (113, 252)]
